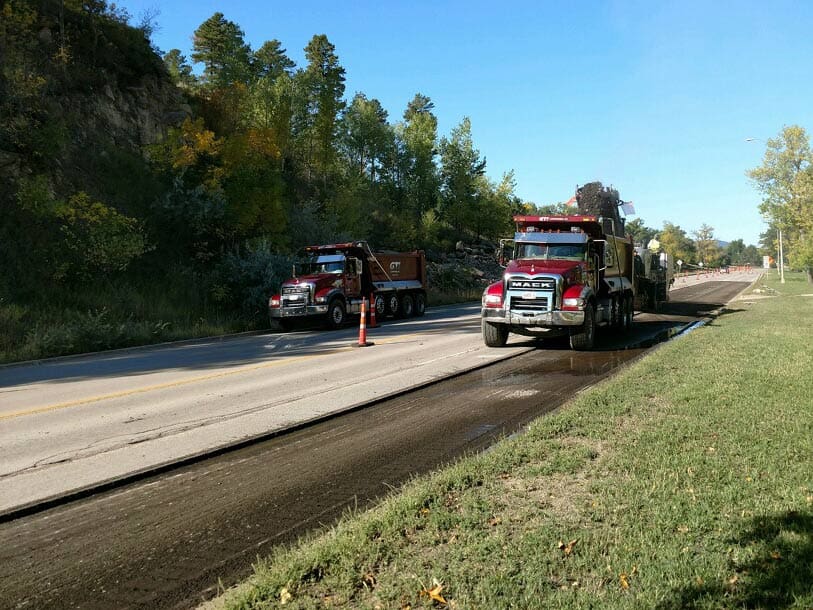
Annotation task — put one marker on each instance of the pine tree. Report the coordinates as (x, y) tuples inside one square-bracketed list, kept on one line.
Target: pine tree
[(218, 43)]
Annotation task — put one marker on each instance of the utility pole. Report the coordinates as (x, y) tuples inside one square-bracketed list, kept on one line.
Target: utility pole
[(781, 260)]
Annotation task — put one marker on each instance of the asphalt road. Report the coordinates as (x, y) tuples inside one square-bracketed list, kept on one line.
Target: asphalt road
[(166, 540)]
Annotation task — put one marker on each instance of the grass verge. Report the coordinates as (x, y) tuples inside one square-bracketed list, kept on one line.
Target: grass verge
[(683, 482)]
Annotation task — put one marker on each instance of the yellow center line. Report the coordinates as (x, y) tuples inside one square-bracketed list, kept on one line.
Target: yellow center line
[(187, 381)]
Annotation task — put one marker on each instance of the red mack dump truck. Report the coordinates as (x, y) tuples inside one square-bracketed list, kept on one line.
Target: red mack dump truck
[(333, 279), (568, 275)]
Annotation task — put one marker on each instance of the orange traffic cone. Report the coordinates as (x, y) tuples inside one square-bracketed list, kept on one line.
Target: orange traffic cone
[(363, 325)]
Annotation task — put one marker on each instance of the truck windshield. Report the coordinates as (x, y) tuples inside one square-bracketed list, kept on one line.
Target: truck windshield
[(321, 264), (572, 252)]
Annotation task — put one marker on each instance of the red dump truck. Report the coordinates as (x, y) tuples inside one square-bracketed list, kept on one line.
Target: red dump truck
[(568, 275), (331, 281)]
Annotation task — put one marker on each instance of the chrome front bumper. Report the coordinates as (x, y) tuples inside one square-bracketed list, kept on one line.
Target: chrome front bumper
[(548, 318), (297, 312)]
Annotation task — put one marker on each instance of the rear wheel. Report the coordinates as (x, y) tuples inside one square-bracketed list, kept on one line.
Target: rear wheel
[(420, 304), (585, 337), (626, 314), (407, 306), (495, 335), (615, 312), (380, 306), (392, 304), (336, 314)]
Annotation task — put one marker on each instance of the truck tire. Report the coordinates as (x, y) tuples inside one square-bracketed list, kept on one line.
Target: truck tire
[(616, 314), (626, 314), (407, 306), (380, 307), (495, 335), (336, 314), (392, 304), (585, 337), (420, 304)]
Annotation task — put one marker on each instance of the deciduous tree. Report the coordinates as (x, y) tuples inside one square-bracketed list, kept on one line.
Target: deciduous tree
[(674, 241), (787, 197)]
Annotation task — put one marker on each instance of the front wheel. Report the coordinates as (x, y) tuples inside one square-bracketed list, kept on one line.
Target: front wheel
[(336, 314), (585, 338), (495, 335)]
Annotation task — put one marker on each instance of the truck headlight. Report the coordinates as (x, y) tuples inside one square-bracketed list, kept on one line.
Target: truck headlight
[(492, 300), (573, 302), (274, 302)]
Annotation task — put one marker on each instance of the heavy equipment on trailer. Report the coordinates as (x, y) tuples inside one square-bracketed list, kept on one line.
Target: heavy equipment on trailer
[(568, 275), (331, 281)]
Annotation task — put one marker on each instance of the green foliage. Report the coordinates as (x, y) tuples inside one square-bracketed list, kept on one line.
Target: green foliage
[(706, 247), (461, 174), (251, 274), (785, 180), (674, 240), (737, 253), (218, 43), (270, 61), (178, 68), (641, 234), (96, 239)]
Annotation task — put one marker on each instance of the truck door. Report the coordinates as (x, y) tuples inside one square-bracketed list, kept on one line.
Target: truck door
[(352, 277)]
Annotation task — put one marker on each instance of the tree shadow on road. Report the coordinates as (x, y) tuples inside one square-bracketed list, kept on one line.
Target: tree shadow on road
[(777, 571)]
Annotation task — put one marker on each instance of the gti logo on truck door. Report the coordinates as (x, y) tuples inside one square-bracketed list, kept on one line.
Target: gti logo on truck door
[(395, 268)]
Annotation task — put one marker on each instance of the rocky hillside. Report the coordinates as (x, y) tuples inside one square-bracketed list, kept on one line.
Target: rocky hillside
[(469, 269), (77, 85)]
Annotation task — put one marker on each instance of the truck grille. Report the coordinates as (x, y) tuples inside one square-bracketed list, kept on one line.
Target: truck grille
[(295, 297), (541, 303)]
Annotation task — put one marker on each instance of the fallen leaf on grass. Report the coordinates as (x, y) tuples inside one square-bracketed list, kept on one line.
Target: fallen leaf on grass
[(284, 596), (567, 549), (434, 593), (776, 555), (624, 578), (494, 521)]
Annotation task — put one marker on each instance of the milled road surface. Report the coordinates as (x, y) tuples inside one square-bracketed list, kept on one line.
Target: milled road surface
[(164, 542)]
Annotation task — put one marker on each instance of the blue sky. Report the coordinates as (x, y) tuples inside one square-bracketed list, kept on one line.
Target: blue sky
[(656, 98)]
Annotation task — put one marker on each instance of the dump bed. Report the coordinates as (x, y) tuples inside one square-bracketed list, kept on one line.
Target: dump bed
[(398, 266)]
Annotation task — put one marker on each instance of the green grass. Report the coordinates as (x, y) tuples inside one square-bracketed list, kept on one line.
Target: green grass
[(683, 482), (108, 317)]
